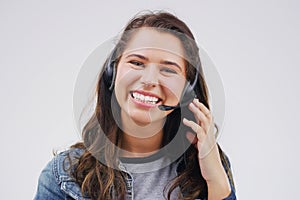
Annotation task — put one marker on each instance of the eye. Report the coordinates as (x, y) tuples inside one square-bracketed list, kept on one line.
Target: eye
[(168, 70), (136, 63)]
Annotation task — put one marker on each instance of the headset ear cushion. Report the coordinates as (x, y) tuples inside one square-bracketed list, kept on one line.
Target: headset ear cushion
[(110, 71), (109, 74)]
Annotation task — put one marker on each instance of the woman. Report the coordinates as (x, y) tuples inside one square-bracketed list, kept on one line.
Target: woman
[(152, 104)]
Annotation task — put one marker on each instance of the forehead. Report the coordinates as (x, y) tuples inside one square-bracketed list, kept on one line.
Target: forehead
[(151, 38)]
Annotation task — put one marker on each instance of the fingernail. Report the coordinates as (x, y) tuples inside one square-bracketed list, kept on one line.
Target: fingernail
[(184, 120)]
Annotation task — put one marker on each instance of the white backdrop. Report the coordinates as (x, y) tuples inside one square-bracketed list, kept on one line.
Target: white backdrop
[(254, 45)]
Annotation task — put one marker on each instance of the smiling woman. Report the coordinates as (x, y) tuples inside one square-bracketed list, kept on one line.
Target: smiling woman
[(151, 135), (147, 71)]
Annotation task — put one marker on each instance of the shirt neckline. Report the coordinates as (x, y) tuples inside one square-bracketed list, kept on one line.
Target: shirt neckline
[(139, 160)]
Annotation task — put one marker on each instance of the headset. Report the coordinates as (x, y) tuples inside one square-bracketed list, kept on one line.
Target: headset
[(189, 94), (109, 74)]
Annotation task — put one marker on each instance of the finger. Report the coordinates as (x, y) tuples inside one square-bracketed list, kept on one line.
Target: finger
[(201, 119), (199, 115), (203, 108), (192, 138), (195, 127)]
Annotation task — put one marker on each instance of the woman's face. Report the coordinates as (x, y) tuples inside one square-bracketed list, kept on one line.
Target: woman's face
[(151, 72)]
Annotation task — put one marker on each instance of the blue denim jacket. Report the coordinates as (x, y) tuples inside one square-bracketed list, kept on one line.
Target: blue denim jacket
[(55, 183)]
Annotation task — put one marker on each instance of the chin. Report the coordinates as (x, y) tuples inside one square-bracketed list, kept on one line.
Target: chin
[(141, 119)]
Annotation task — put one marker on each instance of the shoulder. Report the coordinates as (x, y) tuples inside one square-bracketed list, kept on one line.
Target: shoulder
[(55, 181), (62, 163)]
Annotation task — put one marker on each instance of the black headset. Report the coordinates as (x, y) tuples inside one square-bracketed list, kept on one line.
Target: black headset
[(109, 76), (109, 73)]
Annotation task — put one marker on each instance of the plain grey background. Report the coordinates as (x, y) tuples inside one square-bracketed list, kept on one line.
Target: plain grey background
[(254, 45)]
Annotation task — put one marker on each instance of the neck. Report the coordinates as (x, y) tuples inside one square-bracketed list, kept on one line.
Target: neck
[(140, 140), (140, 147)]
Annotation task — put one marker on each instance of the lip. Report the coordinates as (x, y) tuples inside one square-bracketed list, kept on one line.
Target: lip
[(142, 104)]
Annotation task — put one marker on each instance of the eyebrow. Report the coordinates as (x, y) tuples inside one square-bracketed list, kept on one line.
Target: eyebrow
[(165, 62), (137, 55)]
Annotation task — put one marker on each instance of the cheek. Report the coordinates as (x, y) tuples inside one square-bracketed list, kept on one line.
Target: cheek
[(174, 88), (124, 80), (121, 72), (120, 84)]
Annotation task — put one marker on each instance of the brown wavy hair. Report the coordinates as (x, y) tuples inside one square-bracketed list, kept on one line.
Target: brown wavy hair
[(101, 134)]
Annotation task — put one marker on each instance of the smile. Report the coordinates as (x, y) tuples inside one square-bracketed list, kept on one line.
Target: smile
[(145, 98)]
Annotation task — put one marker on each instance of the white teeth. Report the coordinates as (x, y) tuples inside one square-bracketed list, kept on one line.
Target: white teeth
[(146, 99)]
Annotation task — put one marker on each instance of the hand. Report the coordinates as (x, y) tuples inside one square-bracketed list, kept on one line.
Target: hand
[(208, 154), (204, 140)]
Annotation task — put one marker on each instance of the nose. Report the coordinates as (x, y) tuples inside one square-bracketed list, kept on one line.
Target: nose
[(150, 76)]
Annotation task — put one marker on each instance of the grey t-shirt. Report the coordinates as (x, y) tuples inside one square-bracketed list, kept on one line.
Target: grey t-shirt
[(150, 176)]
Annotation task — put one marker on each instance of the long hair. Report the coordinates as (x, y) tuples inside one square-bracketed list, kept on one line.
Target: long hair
[(101, 134)]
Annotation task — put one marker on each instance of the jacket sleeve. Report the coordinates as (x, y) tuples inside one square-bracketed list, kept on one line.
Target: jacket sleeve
[(48, 184)]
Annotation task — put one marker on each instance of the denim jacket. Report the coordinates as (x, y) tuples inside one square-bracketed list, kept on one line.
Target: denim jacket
[(55, 183)]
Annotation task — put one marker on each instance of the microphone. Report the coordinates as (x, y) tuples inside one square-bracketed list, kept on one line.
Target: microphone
[(188, 96), (167, 108), (187, 99)]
